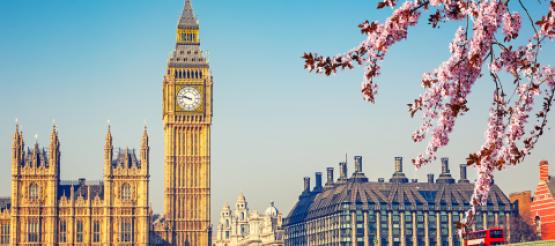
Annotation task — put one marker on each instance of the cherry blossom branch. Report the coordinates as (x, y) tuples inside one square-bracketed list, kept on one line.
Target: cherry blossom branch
[(446, 89)]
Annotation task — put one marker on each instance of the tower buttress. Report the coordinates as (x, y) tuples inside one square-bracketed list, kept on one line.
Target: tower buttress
[(17, 150), (55, 152), (145, 153), (108, 153)]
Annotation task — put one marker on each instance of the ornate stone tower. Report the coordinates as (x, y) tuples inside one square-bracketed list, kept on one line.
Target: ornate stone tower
[(35, 179), (187, 116)]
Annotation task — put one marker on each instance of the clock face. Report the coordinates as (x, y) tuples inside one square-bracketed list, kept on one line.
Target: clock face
[(188, 98)]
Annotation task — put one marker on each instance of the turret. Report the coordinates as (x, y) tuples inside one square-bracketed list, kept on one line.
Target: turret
[(35, 154), (145, 153), (17, 150), (108, 153), (55, 152)]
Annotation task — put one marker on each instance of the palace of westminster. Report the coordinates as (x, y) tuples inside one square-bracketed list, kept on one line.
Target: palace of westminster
[(45, 210)]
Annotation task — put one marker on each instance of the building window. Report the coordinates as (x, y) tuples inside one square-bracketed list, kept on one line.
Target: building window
[(126, 231), (5, 234), (33, 230), (33, 191), (125, 192), (96, 231), (538, 223), (79, 231), (63, 231)]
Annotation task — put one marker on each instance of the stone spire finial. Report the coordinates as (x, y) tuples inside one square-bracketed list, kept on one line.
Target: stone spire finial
[(144, 139), (17, 133), (54, 132), (108, 141), (188, 18)]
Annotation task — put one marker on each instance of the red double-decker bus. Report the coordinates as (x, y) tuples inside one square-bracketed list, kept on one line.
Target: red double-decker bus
[(492, 236)]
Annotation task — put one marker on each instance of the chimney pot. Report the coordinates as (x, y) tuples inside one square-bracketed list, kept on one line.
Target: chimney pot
[(463, 172), (445, 165), (343, 170), (398, 164), (318, 177), (358, 164), (430, 178), (306, 184), (330, 176)]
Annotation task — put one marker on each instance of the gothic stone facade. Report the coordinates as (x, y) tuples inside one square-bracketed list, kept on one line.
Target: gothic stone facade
[(247, 227), (356, 212), (44, 210)]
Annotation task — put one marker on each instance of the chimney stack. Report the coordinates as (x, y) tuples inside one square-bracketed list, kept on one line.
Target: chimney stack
[(329, 176), (464, 178), (544, 170), (358, 164), (398, 164), (306, 185), (430, 178), (343, 170), (445, 165), (318, 186)]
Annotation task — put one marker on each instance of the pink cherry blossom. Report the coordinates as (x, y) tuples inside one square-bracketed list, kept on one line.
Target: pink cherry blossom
[(507, 139)]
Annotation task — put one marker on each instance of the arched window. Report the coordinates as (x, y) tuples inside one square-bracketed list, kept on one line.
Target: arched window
[(33, 191), (125, 192), (538, 223)]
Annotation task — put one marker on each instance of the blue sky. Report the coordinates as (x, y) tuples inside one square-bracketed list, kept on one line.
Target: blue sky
[(85, 62)]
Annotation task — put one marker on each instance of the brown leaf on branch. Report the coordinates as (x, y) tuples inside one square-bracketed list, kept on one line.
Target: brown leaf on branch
[(435, 18), (368, 28), (385, 3), (473, 158)]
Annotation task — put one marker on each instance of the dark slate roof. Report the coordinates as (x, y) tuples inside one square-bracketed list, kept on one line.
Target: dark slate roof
[(81, 188), (5, 203), (188, 18), (373, 195), (127, 158)]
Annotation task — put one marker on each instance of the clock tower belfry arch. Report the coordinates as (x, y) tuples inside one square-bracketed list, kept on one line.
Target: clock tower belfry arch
[(187, 119)]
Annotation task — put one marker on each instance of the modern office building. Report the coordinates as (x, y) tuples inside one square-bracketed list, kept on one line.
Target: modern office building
[(357, 212)]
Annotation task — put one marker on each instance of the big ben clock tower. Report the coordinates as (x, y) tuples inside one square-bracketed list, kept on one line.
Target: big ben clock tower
[(187, 116)]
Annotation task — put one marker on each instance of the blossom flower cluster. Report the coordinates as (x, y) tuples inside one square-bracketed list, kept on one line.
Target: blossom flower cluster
[(474, 50)]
